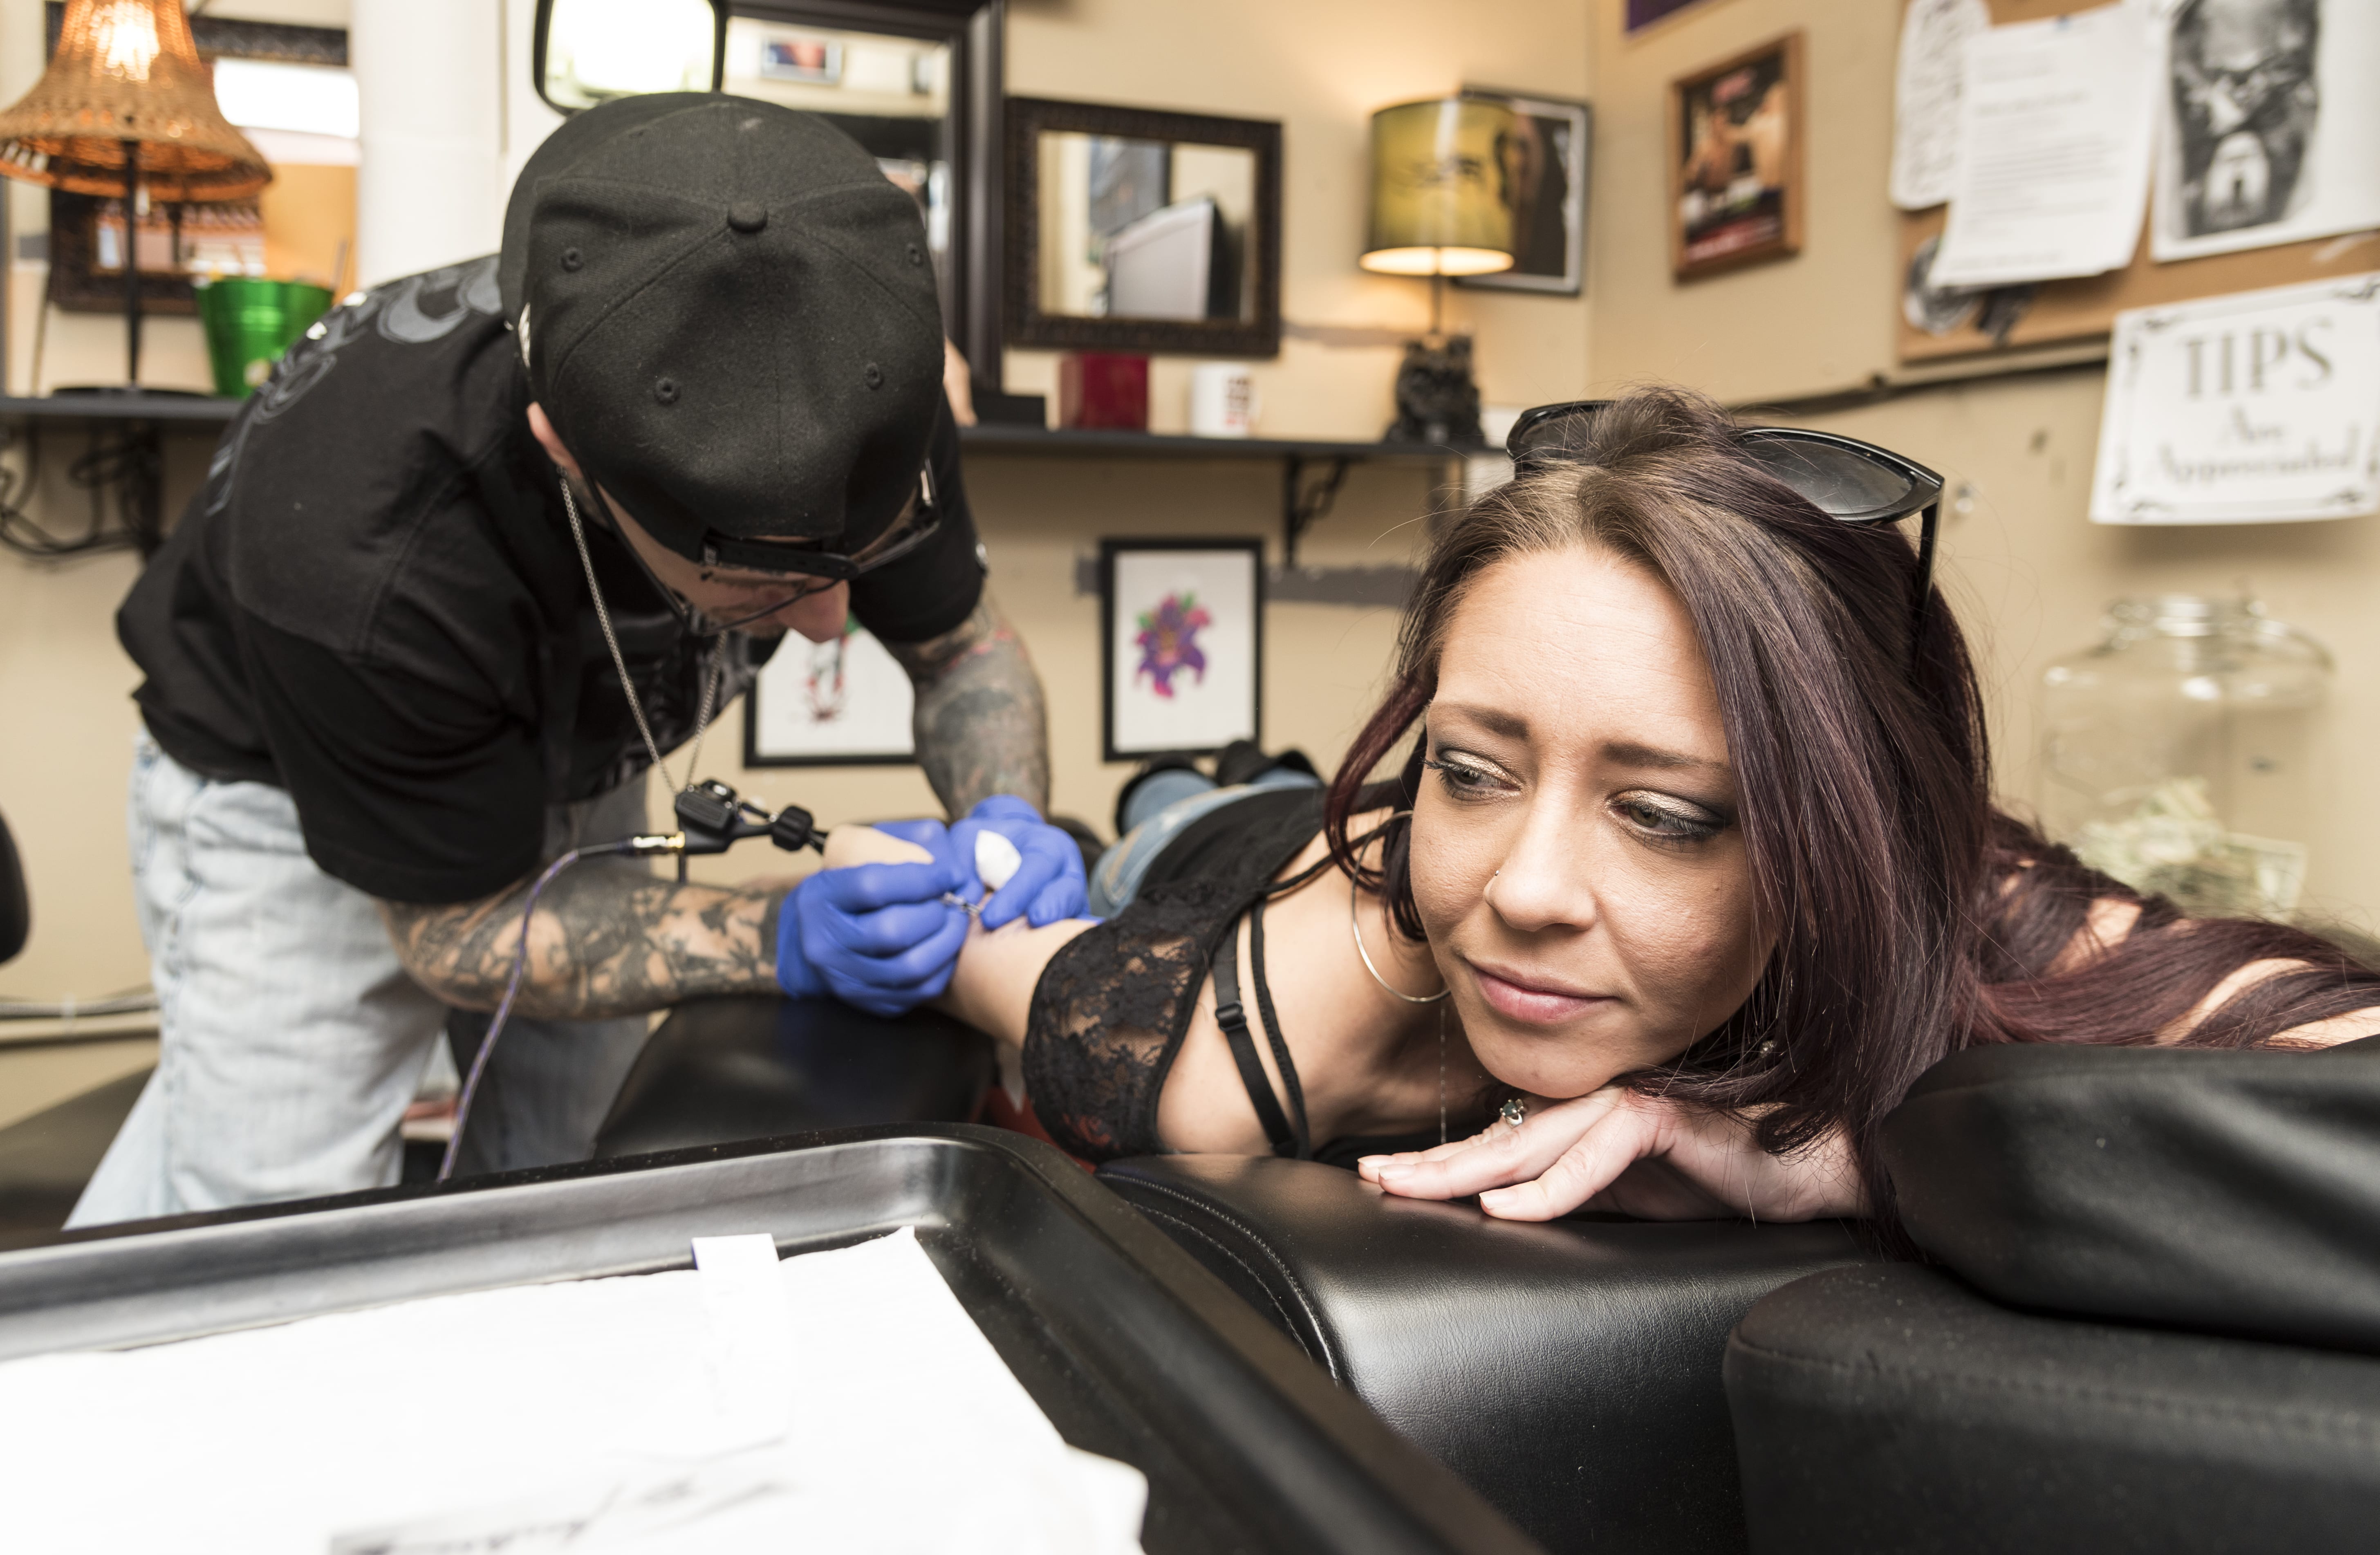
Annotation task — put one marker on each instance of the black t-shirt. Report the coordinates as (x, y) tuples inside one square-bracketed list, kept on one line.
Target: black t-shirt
[(374, 602)]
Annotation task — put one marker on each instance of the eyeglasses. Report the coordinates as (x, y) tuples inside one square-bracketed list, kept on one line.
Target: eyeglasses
[(919, 522), (1851, 481)]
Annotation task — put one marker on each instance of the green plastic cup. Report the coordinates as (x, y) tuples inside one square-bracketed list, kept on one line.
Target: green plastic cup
[(249, 323)]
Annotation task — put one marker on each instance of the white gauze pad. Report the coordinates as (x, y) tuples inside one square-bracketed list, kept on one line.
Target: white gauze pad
[(996, 859)]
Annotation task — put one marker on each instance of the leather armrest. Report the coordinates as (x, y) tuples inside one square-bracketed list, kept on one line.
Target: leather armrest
[(722, 1070), (15, 914), (2226, 1192), (1890, 1408), (1569, 1372)]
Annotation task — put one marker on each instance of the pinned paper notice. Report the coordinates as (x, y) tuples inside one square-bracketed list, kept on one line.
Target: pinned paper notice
[(2244, 409), (2268, 121), (1934, 35), (2055, 129)]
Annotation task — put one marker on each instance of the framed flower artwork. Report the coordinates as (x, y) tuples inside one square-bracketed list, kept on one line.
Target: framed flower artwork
[(1181, 645)]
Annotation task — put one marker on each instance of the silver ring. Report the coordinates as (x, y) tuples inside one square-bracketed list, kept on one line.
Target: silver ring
[(1514, 1111)]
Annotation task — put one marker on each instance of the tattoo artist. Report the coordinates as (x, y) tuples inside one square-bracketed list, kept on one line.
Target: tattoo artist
[(695, 403)]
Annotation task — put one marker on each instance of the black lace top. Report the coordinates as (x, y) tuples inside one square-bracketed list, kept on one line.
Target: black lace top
[(1111, 1008)]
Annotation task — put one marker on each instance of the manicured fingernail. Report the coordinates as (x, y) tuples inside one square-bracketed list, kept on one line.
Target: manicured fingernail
[(1396, 1169), (1495, 1198)]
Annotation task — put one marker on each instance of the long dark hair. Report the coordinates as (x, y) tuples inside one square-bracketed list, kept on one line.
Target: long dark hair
[(1912, 916)]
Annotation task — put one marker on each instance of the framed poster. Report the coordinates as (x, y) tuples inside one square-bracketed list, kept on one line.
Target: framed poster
[(1736, 189), (1541, 179), (845, 703), (1181, 645), (1642, 14)]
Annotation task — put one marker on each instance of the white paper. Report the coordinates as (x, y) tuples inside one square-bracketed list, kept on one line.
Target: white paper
[(584, 1415), (1185, 650), (2249, 409), (1926, 123), (2252, 147), (2055, 130)]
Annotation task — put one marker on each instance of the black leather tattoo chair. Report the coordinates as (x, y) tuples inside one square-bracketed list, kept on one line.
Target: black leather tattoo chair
[(719, 1070), (2155, 1325), (15, 914), (1568, 1373)]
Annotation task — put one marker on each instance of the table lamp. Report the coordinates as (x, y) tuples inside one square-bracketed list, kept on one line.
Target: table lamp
[(127, 110), (1437, 210)]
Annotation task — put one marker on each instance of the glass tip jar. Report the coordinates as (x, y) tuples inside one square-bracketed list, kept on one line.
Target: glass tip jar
[(2179, 753)]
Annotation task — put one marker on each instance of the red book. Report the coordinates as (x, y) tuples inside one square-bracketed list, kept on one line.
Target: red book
[(1104, 389)]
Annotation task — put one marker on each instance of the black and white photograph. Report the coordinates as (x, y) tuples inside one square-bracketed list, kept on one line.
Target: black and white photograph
[(1541, 177), (2265, 115)]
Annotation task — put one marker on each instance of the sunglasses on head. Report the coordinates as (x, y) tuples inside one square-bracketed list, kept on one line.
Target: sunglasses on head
[(1851, 481)]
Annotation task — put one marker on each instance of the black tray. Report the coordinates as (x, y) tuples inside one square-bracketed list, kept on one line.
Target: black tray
[(1130, 1348)]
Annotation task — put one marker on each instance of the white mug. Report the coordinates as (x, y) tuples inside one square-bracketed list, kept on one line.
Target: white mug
[(1222, 400)]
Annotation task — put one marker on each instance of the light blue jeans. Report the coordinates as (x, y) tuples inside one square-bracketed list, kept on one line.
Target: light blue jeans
[(1159, 809), (291, 1040)]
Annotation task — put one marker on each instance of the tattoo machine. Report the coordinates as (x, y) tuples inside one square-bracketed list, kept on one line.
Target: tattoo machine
[(711, 818)]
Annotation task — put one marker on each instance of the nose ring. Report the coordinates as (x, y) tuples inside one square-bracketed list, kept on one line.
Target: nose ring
[(1488, 887)]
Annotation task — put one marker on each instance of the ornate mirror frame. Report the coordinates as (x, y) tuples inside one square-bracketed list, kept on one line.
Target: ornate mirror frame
[(1259, 336), (972, 30)]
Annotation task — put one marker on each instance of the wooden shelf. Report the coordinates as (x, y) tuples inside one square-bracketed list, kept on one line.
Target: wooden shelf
[(1302, 502), (201, 410), (1140, 444)]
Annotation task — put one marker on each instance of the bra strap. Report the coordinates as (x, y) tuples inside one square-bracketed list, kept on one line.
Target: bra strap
[(1233, 1018), (1272, 1032)]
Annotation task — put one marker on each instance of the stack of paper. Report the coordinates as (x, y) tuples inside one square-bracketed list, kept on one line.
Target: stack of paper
[(840, 1401)]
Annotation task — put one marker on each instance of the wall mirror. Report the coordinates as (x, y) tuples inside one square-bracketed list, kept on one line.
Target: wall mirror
[(1136, 230), (917, 85)]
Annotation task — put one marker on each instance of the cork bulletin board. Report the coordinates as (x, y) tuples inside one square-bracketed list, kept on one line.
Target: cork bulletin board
[(2067, 313)]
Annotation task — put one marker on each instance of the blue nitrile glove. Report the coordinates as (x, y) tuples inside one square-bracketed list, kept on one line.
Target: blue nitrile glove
[(1048, 886), (878, 936)]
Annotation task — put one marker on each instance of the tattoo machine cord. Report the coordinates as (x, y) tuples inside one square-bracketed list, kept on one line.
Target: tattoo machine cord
[(711, 818), (719, 819)]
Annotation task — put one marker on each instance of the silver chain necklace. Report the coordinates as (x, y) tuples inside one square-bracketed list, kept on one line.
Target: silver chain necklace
[(715, 661)]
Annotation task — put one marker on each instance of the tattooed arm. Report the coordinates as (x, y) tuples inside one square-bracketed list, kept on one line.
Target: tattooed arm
[(980, 727), (607, 940)]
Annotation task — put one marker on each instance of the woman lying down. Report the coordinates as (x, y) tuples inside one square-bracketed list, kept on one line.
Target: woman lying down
[(1690, 870)]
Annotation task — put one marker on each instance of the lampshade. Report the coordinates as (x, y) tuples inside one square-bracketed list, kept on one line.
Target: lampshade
[(1437, 180), (128, 70)]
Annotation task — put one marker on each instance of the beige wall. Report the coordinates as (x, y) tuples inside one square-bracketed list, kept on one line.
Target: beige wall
[(1318, 67), (2029, 571)]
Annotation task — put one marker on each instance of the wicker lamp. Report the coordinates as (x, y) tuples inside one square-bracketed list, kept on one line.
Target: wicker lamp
[(127, 109)]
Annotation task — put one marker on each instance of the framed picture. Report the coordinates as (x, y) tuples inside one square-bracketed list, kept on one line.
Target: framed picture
[(1736, 189), (793, 57), (1541, 177), (1642, 14), (845, 703), (1181, 645)]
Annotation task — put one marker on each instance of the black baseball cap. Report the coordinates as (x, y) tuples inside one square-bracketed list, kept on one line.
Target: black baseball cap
[(728, 314)]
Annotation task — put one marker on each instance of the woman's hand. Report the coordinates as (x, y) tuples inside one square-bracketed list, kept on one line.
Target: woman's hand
[(1619, 1150)]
